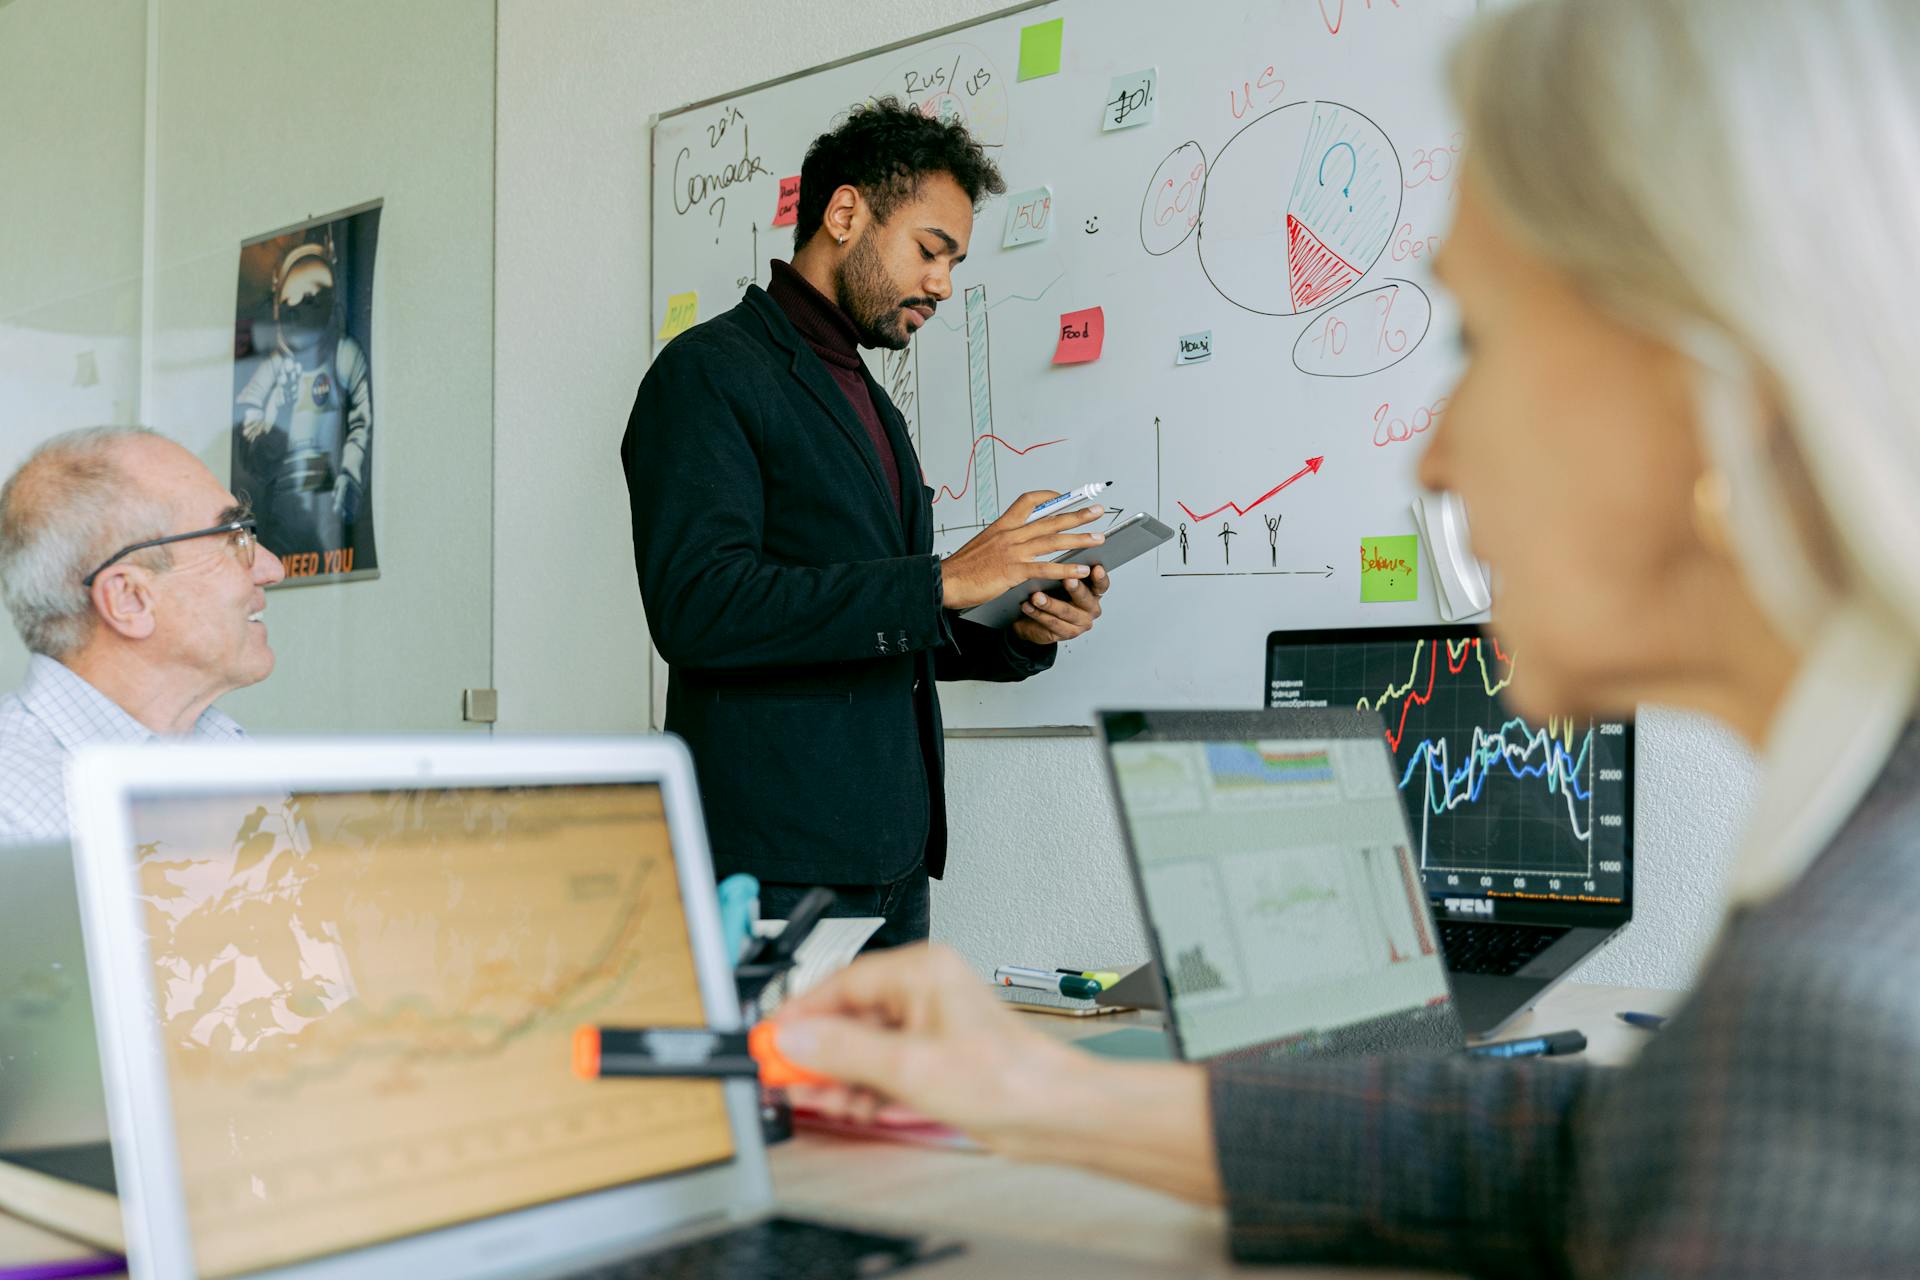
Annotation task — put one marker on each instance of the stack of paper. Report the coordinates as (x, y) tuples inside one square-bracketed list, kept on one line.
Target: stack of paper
[(831, 947)]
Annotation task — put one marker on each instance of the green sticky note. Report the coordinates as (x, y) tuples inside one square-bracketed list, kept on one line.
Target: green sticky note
[(1389, 569), (1040, 49)]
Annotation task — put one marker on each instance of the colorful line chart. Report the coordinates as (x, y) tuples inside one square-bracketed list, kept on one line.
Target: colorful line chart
[(1526, 807)]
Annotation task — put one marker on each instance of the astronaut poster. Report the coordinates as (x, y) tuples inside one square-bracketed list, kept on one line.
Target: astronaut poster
[(303, 403)]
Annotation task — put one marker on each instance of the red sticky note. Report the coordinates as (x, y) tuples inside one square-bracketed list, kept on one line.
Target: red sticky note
[(786, 211), (1081, 335)]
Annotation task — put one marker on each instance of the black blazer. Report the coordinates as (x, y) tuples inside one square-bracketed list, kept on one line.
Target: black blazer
[(799, 611)]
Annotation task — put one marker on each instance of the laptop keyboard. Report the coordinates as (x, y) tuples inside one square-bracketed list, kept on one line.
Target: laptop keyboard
[(782, 1247), (1499, 950)]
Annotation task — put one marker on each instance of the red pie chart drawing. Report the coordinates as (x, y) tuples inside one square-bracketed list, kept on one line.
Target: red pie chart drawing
[(1297, 207)]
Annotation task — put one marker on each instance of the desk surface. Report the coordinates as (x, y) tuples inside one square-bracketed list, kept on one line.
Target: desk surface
[(967, 1193)]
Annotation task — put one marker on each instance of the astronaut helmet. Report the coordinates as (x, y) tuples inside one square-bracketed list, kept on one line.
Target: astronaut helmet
[(305, 300)]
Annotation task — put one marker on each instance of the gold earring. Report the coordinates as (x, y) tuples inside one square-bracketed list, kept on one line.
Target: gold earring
[(1712, 499)]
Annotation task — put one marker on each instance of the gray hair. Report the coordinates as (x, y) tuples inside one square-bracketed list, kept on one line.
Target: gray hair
[(71, 504), (1738, 178)]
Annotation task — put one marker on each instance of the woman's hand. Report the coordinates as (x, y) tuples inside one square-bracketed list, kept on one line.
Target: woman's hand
[(917, 1027)]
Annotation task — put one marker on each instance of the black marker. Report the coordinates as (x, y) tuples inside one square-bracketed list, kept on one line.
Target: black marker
[(1547, 1046)]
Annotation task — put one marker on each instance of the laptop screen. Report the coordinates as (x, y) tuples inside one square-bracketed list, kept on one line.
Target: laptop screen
[(1503, 806), (367, 1000), (1272, 859)]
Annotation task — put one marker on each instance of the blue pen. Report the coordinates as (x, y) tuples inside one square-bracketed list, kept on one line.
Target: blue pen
[(1644, 1021), (1547, 1046), (1054, 506)]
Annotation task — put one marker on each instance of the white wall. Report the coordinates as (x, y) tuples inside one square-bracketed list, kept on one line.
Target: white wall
[(577, 82), (402, 113), (1037, 873), (70, 226), (241, 147)]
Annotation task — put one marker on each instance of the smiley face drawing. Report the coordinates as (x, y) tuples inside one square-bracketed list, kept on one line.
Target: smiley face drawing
[(1093, 225)]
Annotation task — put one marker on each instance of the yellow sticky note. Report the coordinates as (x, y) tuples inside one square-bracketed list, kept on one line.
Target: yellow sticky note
[(682, 310), (1040, 49)]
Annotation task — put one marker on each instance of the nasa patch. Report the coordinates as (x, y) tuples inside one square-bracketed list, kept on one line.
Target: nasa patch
[(322, 390)]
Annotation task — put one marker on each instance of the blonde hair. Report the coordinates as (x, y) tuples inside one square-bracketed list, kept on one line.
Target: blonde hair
[(1741, 178)]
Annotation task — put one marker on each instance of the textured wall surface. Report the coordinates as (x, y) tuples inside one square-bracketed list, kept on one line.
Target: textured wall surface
[(1037, 871)]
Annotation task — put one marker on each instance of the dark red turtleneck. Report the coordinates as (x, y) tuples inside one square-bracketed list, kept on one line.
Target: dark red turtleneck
[(834, 339)]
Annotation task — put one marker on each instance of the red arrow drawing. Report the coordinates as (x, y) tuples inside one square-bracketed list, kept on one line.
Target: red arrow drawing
[(1312, 467)]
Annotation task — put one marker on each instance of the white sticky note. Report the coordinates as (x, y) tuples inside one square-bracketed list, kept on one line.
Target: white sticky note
[(1195, 347), (1132, 99), (1029, 217)]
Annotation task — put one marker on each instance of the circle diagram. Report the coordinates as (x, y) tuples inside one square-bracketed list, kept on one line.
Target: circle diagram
[(955, 83), (1297, 207), (1366, 332), (1170, 210)]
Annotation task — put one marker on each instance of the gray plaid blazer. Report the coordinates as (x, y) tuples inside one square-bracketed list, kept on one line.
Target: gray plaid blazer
[(1771, 1130)]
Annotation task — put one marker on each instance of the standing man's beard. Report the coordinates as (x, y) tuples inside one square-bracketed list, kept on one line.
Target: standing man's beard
[(866, 296)]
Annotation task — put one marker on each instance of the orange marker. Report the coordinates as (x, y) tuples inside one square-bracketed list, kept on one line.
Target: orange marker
[(776, 1069), (686, 1052)]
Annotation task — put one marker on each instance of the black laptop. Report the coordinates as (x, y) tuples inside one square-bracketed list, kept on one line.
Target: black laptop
[(1522, 830)]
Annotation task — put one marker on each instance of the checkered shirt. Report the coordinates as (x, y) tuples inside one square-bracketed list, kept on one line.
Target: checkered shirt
[(1772, 1130), (45, 721)]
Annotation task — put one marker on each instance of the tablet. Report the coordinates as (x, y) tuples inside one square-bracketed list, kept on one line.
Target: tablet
[(1135, 536)]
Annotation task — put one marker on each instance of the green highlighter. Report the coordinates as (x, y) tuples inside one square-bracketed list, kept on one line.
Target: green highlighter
[(1105, 977), (1071, 985)]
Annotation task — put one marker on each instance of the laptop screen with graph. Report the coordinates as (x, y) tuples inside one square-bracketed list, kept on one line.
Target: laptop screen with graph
[(366, 1002), (1502, 806), (1272, 860)]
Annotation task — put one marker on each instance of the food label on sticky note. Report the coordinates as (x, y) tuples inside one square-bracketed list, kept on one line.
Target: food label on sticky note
[(1029, 217), (1389, 569), (682, 310), (786, 210), (1082, 334), (1132, 99), (1195, 347)]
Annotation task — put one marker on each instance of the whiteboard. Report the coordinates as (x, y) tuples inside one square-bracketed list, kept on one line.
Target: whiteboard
[(1293, 174)]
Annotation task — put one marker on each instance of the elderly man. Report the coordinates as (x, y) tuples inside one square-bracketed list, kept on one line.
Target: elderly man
[(135, 580)]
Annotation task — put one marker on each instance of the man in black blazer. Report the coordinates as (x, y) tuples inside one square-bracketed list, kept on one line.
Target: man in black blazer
[(784, 539)]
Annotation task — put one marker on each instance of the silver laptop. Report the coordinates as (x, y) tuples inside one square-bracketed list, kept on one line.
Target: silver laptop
[(337, 985), (1273, 867), (51, 1109)]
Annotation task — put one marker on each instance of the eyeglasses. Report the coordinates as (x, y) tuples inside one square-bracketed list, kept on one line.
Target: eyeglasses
[(240, 531)]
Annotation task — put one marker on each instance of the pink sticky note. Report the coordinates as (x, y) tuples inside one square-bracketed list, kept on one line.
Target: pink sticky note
[(1081, 335), (786, 211)]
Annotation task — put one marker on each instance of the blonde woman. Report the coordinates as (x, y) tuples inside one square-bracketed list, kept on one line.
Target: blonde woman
[(1685, 260)]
